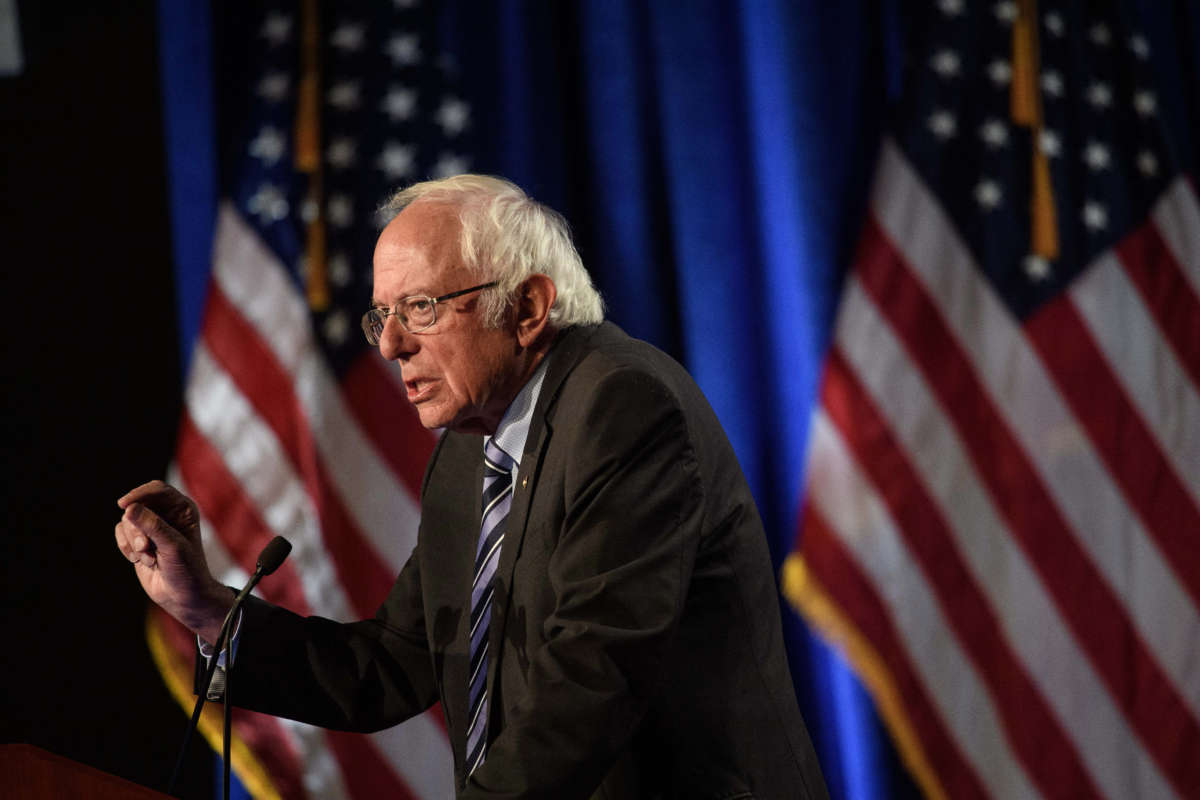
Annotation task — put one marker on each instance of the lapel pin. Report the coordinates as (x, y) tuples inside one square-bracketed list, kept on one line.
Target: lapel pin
[(524, 481)]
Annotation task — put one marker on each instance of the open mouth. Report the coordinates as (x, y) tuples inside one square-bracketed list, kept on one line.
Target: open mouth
[(418, 389)]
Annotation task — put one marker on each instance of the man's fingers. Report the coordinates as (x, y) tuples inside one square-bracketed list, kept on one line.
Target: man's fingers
[(134, 545), (148, 493), (123, 543), (172, 508), (146, 530)]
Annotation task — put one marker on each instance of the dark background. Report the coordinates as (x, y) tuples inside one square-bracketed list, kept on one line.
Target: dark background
[(91, 396)]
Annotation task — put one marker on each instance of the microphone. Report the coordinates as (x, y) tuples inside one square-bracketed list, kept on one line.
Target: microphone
[(269, 559), (272, 556)]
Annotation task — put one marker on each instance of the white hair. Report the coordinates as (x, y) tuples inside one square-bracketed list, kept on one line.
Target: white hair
[(506, 237)]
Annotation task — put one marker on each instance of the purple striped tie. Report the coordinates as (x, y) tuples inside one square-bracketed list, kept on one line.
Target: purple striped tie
[(497, 499)]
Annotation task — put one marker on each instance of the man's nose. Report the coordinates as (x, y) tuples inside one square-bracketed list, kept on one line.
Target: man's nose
[(396, 343)]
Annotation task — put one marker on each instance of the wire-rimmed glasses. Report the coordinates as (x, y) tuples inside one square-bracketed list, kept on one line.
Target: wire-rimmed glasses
[(416, 313)]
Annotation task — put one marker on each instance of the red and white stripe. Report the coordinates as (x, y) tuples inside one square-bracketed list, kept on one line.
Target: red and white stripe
[(1009, 510), (271, 444)]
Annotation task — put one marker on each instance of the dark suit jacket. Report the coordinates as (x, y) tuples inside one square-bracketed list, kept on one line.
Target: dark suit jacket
[(635, 637)]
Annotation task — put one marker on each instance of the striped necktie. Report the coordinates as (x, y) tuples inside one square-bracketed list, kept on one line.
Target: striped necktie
[(497, 499)]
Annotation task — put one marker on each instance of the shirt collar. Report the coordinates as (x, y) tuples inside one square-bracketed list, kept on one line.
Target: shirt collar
[(513, 429)]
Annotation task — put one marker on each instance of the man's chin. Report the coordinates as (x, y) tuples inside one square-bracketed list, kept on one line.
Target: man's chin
[(431, 419), (438, 419)]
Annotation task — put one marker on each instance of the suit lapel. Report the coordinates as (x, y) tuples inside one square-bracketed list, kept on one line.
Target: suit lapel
[(564, 357)]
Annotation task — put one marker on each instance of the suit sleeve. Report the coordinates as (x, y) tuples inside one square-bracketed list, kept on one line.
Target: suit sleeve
[(360, 676), (619, 573)]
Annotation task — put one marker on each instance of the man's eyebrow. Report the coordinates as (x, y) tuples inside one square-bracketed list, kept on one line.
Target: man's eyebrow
[(420, 291)]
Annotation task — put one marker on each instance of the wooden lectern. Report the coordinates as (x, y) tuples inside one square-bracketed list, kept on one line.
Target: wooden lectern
[(30, 773)]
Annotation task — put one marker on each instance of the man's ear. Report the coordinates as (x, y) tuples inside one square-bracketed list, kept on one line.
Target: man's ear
[(535, 296)]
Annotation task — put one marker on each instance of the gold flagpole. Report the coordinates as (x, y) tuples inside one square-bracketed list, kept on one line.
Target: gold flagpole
[(1026, 110), (308, 156)]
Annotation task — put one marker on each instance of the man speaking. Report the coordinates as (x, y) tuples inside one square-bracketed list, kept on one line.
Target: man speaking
[(591, 597)]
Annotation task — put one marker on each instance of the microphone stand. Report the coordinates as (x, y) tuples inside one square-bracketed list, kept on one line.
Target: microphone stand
[(226, 735), (268, 561)]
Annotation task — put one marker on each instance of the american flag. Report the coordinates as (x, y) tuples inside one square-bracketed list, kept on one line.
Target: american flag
[(292, 425), (1001, 528)]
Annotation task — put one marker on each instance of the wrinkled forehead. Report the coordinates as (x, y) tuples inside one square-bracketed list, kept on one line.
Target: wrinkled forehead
[(418, 252)]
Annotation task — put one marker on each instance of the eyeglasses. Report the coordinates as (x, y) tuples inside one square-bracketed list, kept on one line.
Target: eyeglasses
[(416, 313)]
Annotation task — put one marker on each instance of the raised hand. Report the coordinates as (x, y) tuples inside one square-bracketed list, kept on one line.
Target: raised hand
[(160, 534)]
